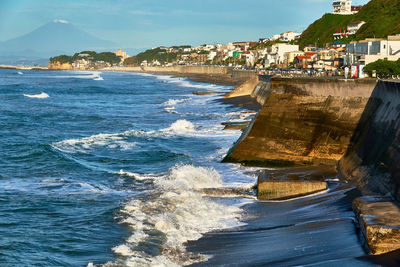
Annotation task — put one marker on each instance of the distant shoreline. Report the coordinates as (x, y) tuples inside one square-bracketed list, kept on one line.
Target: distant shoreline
[(215, 78), (12, 67)]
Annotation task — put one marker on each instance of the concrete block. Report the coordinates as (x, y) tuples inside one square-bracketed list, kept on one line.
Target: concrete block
[(379, 220)]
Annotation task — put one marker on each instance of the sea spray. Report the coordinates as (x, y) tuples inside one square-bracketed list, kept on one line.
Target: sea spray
[(181, 126), (177, 211)]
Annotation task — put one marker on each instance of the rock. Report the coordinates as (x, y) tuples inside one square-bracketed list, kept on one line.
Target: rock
[(60, 66), (235, 125), (206, 93), (379, 220), (279, 190)]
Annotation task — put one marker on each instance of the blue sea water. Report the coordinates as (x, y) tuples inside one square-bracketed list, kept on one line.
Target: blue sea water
[(108, 167)]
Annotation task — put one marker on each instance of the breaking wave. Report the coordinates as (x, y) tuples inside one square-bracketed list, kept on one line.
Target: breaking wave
[(177, 213), (94, 75), (109, 140), (41, 95), (172, 102), (118, 140), (184, 82), (181, 126)]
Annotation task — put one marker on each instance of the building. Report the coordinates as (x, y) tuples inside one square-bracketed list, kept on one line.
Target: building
[(275, 37), (121, 54), (289, 36), (276, 55), (304, 62), (354, 27), (81, 64), (212, 55), (370, 50), (342, 7), (290, 56), (280, 49), (285, 36), (263, 40)]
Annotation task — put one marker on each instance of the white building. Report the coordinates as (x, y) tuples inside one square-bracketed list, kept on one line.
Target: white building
[(275, 37), (342, 7), (212, 55), (354, 27), (286, 36), (289, 36), (370, 50), (279, 51), (250, 59)]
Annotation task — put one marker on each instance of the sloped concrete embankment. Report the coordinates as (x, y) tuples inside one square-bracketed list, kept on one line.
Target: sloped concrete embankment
[(302, 122), (372, 161), (373, 157), (352, 124)]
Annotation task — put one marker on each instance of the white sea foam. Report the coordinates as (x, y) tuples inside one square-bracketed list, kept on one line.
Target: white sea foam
[(181, 126), (179, 211), (120, 140), (41, 95), (137, 176), (109, 140), (172, 102), (94, 75), (184, 82)]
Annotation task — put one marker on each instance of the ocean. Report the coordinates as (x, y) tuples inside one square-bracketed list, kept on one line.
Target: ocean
[(123, 169), (108, 168)]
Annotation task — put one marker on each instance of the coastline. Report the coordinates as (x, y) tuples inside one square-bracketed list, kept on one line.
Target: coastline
[(259, 224), (262, 224)]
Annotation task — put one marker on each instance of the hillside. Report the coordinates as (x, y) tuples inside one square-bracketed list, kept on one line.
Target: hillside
[(158, 54), (382, 18), (108, 57)]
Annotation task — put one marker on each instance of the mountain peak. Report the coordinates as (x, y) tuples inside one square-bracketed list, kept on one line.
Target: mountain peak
[(56, 37), (61, 21)]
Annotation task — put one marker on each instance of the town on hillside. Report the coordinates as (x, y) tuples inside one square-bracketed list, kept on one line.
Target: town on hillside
[(283, 53)]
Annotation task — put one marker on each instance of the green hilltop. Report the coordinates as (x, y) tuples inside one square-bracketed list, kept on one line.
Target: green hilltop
[(382, 18)]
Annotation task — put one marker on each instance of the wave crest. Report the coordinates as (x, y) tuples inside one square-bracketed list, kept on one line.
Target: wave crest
[(41, 95), (180, 212), (181, 126)]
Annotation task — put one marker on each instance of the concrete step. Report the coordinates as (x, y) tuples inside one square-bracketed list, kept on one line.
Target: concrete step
[(379, 220)]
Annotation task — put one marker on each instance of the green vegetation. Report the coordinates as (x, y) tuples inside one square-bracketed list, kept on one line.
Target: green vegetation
[(321, 31), (160, 54), (108, 57), (382, 18), (383, 67), (152, 54), (61, 59)]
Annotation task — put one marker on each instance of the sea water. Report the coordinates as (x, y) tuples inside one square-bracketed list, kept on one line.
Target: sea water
[(108, 168)]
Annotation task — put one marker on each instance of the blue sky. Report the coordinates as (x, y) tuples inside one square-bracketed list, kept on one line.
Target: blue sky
[(149, 23)]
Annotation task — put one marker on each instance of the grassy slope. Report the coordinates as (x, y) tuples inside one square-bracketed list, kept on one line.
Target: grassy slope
[(382, 18)]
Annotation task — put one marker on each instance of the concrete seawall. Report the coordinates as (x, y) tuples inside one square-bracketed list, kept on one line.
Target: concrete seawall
[(353, 125), (302, 122), (373, 157)]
